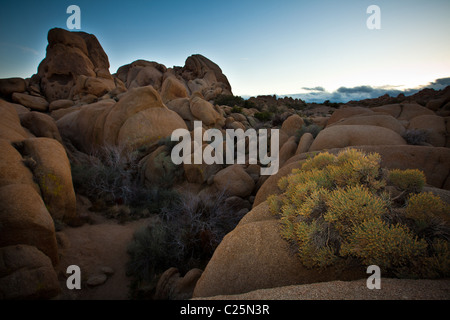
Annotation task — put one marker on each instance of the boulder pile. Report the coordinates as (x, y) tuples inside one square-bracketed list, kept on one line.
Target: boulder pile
[(73, 106)]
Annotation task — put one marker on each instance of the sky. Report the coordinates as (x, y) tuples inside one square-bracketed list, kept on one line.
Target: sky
[(315, 50)]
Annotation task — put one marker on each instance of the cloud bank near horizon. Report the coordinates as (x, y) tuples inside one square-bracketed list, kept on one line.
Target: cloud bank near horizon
[(345, 94)]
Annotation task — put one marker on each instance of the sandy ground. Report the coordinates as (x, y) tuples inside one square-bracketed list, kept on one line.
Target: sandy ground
[(92, 247)]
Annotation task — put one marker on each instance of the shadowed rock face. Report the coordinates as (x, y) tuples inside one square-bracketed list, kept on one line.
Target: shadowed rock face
[(199, 75), (142, 73), (199, 67), (71, 55), (26, 273), (139, 118), (204, 76)]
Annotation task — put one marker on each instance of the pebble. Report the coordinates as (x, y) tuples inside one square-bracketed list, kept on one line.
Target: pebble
[(107, 270), (97, 279)]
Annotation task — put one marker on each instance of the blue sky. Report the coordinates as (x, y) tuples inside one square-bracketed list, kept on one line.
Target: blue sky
[(263, 47)]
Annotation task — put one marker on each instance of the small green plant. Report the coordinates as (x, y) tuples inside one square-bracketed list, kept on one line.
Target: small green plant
[(249, 104), (410, 180), (229, 100), (427, 210), (236, 109), (335, 208), (263, 116)]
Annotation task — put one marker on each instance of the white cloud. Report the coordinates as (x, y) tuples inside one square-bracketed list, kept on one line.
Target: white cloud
[(23, 48), (345, 94)]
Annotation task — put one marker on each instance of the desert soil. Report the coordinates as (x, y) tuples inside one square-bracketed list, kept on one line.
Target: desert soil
[(103, 243)]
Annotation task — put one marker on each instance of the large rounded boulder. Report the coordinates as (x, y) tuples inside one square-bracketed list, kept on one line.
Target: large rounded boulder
[(26, 273), (379, 120), (10, 127), (24, 219), (51, 169), (355, 135), (139, 118), (234, 181)]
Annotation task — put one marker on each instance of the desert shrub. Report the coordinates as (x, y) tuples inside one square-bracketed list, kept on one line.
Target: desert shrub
[(277, 119), (273, 108), (263, 116), (236, 109), (167, 173), (437, 265), (198, 226), (349, 168), (186, 236), (108, 173), (335, 105), (388, 246), (297, 105), (229, 100), (430, 216), (154, 199), (149, 252), (410, 180), (334, 208), (249, 104), (313, 247), (416, 136), (319, 161), (350, 207), (426, 205)]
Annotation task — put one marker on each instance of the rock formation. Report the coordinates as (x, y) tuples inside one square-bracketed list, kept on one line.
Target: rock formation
[(75, 65), (73, 107)]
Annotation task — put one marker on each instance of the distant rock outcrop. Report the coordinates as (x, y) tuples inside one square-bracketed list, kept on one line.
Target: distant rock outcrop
[(75, 65), (199, 75), (204, 76)]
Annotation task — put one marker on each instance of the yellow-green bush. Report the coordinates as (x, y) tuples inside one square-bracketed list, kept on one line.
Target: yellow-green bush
[(335, 208), (425, 208), (375, 242), (348, 168), (410, 180), (348, 208), (313, 249)]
